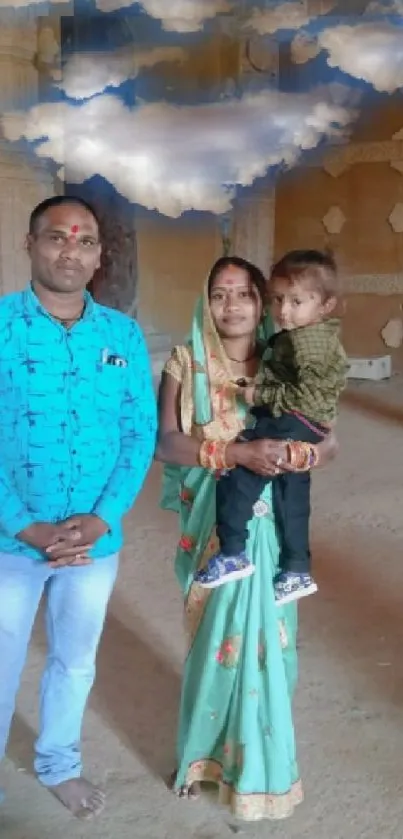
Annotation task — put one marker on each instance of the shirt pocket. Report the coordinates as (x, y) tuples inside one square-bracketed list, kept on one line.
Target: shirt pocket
[(111, 386)]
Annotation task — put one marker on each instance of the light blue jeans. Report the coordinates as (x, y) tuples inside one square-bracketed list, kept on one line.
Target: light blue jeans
[(76, 603)]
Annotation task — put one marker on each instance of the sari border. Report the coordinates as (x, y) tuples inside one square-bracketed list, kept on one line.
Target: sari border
[(251, 807)]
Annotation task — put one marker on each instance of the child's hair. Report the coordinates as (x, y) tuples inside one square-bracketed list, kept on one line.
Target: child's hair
[(318, 268)]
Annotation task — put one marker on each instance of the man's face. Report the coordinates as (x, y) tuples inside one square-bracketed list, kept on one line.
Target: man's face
[(65, 249)]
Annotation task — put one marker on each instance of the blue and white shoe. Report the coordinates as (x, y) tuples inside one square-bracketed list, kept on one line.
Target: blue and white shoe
[(289, 587), (224, 569)]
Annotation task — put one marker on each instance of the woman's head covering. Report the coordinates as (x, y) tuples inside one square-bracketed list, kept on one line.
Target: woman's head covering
[(211, 367)]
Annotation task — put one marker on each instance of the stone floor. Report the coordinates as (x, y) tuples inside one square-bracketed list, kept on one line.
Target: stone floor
[(349, 708)]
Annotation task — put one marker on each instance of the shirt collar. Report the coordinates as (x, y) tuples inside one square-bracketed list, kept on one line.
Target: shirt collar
[(34, 306)]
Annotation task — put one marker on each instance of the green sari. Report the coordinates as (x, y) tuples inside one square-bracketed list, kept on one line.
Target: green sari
[(235, 720)]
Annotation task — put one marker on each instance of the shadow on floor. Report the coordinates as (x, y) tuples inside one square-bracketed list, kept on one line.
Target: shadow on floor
[(364, 609), (373, 406), (137, 693), (21, 746)]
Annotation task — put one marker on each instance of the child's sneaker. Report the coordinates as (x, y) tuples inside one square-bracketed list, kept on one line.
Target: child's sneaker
[(224, 569), (289, 586)]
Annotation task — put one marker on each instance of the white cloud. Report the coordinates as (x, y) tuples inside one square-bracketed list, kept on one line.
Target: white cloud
[(22, 4), (177, 158), (385, 7), (175, 15), (369, 51), (292, 14), (89, 73)]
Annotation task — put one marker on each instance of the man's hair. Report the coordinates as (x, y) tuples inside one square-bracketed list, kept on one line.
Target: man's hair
[(254, 273), (57, 201), (318, 268)]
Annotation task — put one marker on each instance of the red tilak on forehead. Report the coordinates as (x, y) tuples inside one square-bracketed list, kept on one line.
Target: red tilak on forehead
[(75, 228)]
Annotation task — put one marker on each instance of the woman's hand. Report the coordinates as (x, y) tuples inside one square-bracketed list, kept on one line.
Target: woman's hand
[(327, 450), (270, 457), (264, 457)]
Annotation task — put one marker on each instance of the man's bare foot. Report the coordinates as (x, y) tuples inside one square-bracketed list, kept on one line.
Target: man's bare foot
[(192, 792), (83, 799)]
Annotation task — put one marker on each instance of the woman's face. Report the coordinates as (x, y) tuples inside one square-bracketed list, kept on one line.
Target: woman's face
[(235, 303)]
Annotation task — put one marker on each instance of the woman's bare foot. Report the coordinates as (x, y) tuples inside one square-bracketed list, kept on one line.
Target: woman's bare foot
[(191, 792), (83, 799)]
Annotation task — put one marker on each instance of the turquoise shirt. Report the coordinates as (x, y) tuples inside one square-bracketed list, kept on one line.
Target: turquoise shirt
[(77, 418)]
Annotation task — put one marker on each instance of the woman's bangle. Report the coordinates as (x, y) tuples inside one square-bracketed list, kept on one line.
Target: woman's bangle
[(302, 456), (212, 455)]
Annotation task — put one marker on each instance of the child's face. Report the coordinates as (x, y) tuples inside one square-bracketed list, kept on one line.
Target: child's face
[(295, 303)]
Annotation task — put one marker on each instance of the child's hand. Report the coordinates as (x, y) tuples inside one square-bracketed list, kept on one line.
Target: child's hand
[(249, 394)]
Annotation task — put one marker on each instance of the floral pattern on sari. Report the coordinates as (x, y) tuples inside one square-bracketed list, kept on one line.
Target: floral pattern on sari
[(233, 757), (229, 651), (186, 496), (262, 651)]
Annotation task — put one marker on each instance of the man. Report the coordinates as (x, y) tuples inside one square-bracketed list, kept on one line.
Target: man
[(77, 436)]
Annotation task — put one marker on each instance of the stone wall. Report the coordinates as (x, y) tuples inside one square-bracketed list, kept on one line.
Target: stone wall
[(353, 203)]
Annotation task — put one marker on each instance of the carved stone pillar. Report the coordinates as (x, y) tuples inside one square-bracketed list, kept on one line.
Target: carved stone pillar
[(115, 284), (253, 228), (23, 183), (254, 209), (19, 78), (21, 187)]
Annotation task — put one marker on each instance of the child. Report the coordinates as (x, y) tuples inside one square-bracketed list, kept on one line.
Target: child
[(295, 398)]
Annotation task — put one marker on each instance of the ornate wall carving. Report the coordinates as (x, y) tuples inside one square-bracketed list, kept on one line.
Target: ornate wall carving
[(382, 284), (336, 162)]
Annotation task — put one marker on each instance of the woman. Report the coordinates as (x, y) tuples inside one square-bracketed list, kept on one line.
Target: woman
[(235, 724)]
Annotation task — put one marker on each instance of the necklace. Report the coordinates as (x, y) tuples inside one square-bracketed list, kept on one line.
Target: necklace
[(242, 360), (69, 321)]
